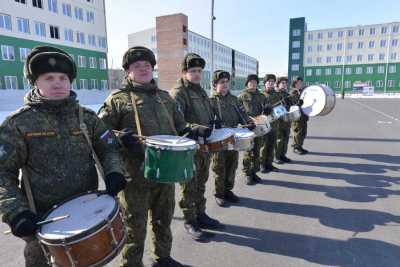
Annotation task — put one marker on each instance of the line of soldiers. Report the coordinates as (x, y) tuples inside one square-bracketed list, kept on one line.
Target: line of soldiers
[(43, 140)]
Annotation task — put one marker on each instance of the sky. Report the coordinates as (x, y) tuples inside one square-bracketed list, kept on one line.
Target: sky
[(256, 27)]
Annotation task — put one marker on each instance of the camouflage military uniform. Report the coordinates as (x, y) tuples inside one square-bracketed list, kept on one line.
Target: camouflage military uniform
[(267, 152), (194, 103), (254, 102), (299, 127), (155, 107), (44, 140), (225, 163), (282, 129)]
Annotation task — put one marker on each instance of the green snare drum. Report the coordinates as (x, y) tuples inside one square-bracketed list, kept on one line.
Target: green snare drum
[(169, 159)]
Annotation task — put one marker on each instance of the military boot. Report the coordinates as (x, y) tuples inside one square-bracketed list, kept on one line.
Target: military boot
[(265, 168), (298, 150), (256, 178), (286, 159), (194, 231), (207, 222), (220, 200), (231, 197), (250, 180), (166, 262)]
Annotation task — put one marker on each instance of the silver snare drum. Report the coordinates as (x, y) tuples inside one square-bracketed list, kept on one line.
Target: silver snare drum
[(244, 139), (294, 114)]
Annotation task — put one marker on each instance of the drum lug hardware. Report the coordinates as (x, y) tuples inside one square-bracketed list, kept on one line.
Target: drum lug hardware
[(114, 239), (158, 154), (73, 262), (158, 173)]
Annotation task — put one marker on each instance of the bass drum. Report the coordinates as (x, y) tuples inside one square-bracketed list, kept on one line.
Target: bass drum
[(319, 100)]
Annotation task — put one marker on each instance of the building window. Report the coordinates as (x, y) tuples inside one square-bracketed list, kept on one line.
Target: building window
[(92, 63), (338, 59), (309, 60), (320, 35), (372, 31), (330, 35), (350, 33), (384, 30), (338, 71), (349, 46), (349, 59), (37, 3), (337, 84), (394, 42), (21, 1), (295, 67), (383, 43), (370, 57), (340, 34), (393, 56), (328, 72), (371, 44), (318, 72), (348, 71), (104, 84), (328, 59), (90, 17), (395, 29), (359, 70), (392, 68), (361, 32), (5, 21), (309, 72), (23, 53), (391, 83), (339, 46), (78, 13), (296, 32), (102, 63), (347, 84), (184, 28), (370, 70), (93, 84), (382, 56), (295, 55), (295, 44), (92, 39), (23, 25), (359, 58), (68, 35), (381, 69), (379, 83), (11, 82), (7, 52), (54, 33), (184, 41), (81, 61), (102, 42), (319, 60), (83, 84), (309, 48), (329, 47), (360, 45), (67, 10), (52, 5), (309, 36), (80, 37), (40, 29), (319, 48)]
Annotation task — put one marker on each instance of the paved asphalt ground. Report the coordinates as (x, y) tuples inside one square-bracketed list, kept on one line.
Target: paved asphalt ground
[(337, 206)]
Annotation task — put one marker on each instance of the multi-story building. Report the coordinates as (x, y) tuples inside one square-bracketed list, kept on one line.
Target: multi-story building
[(170, 40), (78, 27), (346, 58)]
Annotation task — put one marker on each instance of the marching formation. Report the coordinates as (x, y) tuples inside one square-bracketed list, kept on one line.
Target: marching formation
[(142, 141)]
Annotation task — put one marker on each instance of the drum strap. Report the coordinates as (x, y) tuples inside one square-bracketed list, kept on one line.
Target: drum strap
[(219, 108), (169, 118), (137, 120), (84, 129), (28, 190)]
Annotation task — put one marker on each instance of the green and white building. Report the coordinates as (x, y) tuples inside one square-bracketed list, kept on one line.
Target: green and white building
[(346, 58), (77, 26)]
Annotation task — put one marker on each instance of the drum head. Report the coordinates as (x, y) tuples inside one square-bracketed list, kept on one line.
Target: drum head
[(278, 111), (170, 142), (218, 135), (243, 133), (315, 100), (85, 212)]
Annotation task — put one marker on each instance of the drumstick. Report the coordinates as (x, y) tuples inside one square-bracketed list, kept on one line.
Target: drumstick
[(55, 219), (145, 137), (181, 138)]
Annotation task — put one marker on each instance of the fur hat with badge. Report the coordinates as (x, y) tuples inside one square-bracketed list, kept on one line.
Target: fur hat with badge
[(252, 77), (138, 53), (219, 75), (192, 60), (44, 59)]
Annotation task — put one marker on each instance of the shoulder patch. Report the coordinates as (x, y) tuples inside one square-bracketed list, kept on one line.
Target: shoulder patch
[(5, 151)]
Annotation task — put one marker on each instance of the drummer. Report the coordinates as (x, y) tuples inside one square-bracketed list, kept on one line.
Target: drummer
[(299, 127), (267, 152), (255, 104), (195, 105), (43, 139), (232, 114), (156, 114)]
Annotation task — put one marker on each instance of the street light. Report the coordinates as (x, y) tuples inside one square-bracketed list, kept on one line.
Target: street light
[(212, 43)]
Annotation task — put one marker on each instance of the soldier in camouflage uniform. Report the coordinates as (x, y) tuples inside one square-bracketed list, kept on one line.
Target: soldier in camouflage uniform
[(231, 114), (157, 114), (43, 139), (267, 152), (299, 127), (195, 105), (255, 104), (283, 127)]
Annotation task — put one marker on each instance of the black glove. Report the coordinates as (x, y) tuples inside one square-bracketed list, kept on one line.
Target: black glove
[(132, 143), (251, 126), (217, 124), (199, 131), (24, 224), (267, 110), (300, 103), (115, 182)]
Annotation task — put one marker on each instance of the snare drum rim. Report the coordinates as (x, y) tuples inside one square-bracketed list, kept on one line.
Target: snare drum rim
[(85, 234), (172, 148)]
